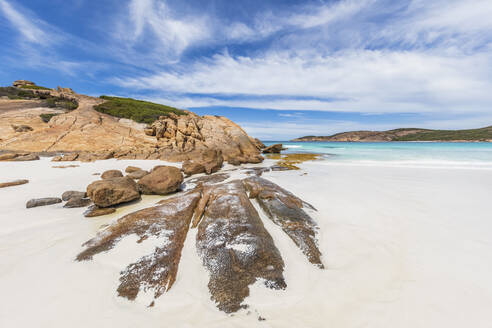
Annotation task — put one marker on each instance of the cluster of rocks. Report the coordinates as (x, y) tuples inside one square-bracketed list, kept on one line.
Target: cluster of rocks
[(231, 239)]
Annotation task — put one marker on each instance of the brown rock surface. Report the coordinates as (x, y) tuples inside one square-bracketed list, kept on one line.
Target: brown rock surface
[(43, 202), (286, 211), (13, 183), (108, 192), (94, 210), (273, 149), (75, 202), (235, 247), (137, 174), (231, 240), (73, 194), (111, 174), (208, 161), (172, 138), (167, 222), (161, 181)]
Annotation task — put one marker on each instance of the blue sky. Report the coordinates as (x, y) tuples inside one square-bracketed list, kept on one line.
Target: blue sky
[(281, 69)]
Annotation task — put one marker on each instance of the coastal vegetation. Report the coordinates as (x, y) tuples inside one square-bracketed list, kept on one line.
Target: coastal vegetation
[(33, 87), (408, 134), (46, 117), (22, 93), (137, 110), (483, 134)]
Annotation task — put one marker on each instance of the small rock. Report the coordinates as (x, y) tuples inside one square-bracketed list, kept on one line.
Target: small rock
[(111, 174), (161, 181), (43, 202), (190, 168), (137, 174), (67, 195), (64, 166), (75, 202), (13, 183), (131, 169), (273, 149), (95, 210)]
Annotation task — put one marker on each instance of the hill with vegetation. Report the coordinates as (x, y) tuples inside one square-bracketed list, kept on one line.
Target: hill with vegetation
[(409, 134)]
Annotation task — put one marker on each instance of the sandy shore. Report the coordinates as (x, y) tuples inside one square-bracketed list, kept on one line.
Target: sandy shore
[(402, 246)]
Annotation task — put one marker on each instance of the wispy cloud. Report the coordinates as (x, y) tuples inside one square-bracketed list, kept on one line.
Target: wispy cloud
[(30, 29)]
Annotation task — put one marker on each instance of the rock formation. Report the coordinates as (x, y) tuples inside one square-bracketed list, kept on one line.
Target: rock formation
[(231, 239), (86, 135), (43, 202), (273, 149)]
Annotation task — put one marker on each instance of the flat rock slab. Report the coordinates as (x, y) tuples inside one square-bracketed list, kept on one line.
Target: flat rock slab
[(94, 210), (235, 247), (169, 222), (13, 183), (43, 202), (286, 211)]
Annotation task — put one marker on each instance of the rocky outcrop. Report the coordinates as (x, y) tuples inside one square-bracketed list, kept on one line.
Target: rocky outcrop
[(43, 202), (13, 183), (109, 192), (235, 247), (273, 149), (21, 83), (286, 211), (231, 239), (169, 224), (171, 138), (162, 180), (111, 174), (364, 136)]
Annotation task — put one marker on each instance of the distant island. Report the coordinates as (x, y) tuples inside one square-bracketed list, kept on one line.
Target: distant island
[(407, 134)]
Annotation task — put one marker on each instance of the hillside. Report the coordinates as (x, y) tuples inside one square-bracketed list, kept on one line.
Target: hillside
[(39, 120), (408, 134)]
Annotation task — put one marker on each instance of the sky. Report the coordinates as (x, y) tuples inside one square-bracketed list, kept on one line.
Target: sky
[(279, 68)]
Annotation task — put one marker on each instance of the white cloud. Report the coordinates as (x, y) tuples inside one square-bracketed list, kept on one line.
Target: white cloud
[(361, 80), (28, 28), (174, 33)]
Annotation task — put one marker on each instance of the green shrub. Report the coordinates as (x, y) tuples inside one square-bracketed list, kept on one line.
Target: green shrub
[(50, 102), (449, 135), (47, 116), (34, 87), (136, 110)]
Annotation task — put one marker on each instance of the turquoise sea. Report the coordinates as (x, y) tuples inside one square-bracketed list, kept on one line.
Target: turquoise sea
[(432, 154)]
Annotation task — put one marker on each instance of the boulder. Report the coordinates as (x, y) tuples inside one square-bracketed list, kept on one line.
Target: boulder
[(161, 181), (94, 210), (13, 183), (43, 202), (67, 195), (108, 192), (190, 168), (75, 202), (259, 144), (137, 174), (209, 161), (111, 174), (273, 149)]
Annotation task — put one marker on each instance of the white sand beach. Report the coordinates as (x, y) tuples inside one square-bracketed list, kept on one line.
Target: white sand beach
[(402, 247)]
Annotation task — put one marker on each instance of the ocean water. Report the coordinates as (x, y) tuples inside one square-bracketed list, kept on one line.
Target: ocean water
[(414, 154)]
